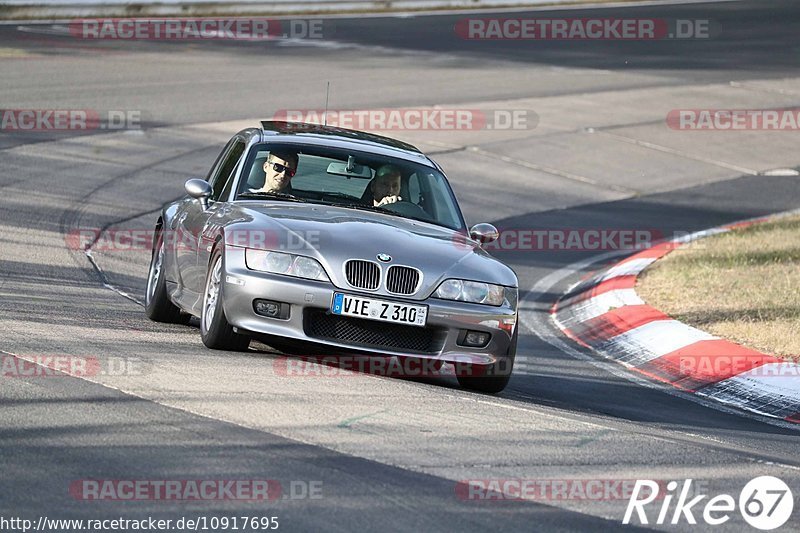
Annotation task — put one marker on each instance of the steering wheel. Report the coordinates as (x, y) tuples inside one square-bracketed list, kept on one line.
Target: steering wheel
[(406, 208)]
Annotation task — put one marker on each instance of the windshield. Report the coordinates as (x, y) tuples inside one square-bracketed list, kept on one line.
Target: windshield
[(355, 180)]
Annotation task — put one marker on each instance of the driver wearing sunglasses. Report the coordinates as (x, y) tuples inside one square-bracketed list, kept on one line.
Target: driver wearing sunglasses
[(279, 169)]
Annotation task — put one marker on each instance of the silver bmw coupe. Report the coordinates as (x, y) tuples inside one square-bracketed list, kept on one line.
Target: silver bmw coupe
[(306, 235)]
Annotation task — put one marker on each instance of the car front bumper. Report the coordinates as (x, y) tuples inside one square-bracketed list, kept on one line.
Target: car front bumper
[(309, 300)]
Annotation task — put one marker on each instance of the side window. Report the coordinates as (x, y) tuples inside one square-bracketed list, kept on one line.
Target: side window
[(226, 192), (224, 178), (215, 168)]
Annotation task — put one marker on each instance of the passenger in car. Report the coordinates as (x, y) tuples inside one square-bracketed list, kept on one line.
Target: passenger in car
[(385, 187), (279, 169)]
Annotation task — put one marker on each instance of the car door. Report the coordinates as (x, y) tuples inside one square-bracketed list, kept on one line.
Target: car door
[(218, 211), (194, 219)]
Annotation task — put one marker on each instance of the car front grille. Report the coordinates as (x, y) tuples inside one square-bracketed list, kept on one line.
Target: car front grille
[(372, 334), (402, 280), (362, 274)]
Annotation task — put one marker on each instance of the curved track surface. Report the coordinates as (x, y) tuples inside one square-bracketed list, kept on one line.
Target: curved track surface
[(388, 452)]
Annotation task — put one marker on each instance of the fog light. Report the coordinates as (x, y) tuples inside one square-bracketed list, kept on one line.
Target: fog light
[(476, 339), (271, 309)]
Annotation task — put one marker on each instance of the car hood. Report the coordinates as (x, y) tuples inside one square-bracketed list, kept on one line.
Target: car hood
[(334, 235)]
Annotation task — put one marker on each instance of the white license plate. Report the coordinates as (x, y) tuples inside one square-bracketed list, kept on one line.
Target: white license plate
[(397, 313)]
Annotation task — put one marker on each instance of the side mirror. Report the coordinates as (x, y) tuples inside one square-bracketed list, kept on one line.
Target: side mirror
[(199, 189), (484, 233)]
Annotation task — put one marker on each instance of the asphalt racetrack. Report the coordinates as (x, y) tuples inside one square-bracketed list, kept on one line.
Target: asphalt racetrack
[(354, 451)]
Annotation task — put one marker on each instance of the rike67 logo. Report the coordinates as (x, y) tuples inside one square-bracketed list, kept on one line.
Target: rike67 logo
[(765, 503)]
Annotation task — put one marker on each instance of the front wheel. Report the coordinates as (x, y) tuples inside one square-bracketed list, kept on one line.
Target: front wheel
[(157, 304), (215, 330)]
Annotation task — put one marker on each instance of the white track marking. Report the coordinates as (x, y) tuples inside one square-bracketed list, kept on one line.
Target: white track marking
[(540, 324), (655, 339)]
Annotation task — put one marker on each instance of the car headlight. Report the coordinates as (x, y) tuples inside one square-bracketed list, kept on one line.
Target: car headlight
[(471, 291), (297, 266)]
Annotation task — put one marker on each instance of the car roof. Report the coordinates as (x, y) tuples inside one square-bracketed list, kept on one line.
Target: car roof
[(317, 134)]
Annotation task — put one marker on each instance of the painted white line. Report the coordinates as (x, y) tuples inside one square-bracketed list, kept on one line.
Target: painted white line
[(106, 283), (450, 394), (55, 29), (768, 90), (782, 172), (328, 44), (553, 171), (680, 153), (696, 236)]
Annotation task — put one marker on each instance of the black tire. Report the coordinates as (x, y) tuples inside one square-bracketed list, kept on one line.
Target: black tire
[(488, 378), (157, 304), (215, 330)]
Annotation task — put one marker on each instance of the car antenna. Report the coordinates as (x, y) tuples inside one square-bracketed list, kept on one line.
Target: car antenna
[(325, 114)]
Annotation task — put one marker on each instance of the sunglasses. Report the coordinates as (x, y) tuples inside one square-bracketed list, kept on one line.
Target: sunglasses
[(277, 167)]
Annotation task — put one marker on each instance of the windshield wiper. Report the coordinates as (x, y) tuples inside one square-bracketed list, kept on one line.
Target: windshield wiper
[(272, 195)]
